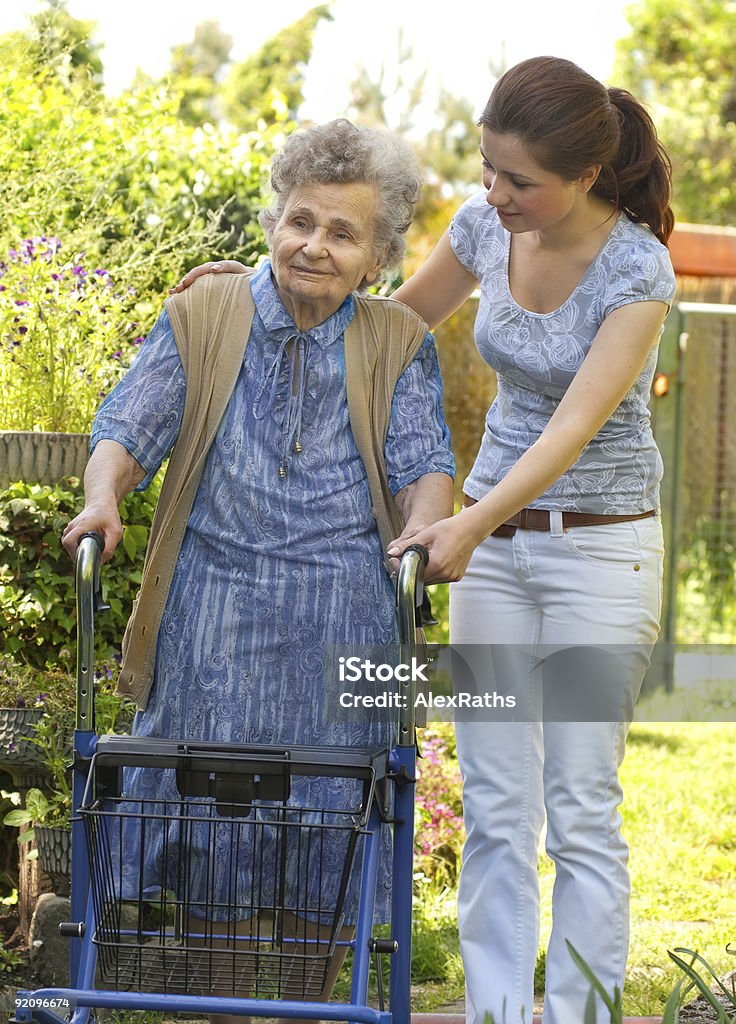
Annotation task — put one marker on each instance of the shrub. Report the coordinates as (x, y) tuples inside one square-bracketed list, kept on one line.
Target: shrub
[(37, 599), (439, 832), (23, 686), (123, 179), (65, 337), (53, 693)]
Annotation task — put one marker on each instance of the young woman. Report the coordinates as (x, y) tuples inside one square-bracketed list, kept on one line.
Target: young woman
[(560, 544)]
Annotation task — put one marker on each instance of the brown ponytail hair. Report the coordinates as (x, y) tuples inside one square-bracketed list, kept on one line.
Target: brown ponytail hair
[(569, 120)]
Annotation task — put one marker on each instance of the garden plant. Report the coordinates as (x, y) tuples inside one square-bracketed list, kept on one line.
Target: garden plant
[(67, 336)]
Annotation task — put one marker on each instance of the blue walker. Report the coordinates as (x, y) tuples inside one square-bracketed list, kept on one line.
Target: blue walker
[(131, 950)]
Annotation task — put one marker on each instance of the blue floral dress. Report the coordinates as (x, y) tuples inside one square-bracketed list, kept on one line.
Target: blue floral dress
[(273, 567)]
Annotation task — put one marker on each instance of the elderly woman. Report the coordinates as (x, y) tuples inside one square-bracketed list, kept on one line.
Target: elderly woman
[(304, 423)]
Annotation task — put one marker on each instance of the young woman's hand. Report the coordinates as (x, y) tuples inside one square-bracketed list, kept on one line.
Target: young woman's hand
[(220, 267), (450, 543)]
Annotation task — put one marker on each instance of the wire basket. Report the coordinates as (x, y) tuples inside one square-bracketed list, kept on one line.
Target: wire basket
[(211, 897)]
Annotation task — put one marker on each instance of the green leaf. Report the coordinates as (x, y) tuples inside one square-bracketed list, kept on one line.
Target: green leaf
[(17, 819), (37, 804), (589, 1017), (697, 957), (613, 1005), (675, 1000), (134, 539), (700, 984)]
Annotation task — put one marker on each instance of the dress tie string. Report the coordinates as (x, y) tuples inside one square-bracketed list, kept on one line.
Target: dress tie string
[(291, 424)]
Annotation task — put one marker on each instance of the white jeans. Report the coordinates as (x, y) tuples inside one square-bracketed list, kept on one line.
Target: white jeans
[(586, 585)]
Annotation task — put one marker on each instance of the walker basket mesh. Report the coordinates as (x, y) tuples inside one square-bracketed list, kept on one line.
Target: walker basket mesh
[(208, 896)]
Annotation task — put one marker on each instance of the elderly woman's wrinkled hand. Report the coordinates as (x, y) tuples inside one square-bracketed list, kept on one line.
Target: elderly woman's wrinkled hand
[(96, 517), (450, 544), (219, 267)]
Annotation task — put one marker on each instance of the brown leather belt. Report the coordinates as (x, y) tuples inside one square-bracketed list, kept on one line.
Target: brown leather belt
[(538, 519)]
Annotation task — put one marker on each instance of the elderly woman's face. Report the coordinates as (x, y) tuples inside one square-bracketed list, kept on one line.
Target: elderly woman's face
[(322, 248)]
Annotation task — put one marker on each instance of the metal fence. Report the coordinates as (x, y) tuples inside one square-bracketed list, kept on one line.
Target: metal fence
[(695, 425)]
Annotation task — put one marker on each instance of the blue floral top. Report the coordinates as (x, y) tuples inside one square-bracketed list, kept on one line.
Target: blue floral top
[(273, 568), (536, 356)]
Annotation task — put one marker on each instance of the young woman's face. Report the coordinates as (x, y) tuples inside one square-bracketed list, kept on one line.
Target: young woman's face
[(527, 197)]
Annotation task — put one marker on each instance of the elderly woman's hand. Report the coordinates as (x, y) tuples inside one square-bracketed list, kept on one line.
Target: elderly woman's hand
[(99, 517), (220, 267), (450, 543)]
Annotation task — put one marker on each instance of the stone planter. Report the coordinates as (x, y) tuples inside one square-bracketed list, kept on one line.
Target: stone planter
[(19, 756), (41, 457), (54, 845)]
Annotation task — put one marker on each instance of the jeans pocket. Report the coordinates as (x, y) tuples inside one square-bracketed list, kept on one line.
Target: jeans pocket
[(609, 544)]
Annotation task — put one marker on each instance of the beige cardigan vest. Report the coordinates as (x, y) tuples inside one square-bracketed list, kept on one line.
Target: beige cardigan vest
[(212, 321)]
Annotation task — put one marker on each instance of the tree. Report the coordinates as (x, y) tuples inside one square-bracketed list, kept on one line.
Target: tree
[(447, 148), (196, 69), (65, 44), (124, 180), (681, 60), (267, 87), (391, 99), (451, 145)]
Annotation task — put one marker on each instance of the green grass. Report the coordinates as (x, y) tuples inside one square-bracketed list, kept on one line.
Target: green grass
[(680, 822), (679, 814)]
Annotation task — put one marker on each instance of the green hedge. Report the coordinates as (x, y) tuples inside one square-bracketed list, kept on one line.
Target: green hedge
[(37, 600)]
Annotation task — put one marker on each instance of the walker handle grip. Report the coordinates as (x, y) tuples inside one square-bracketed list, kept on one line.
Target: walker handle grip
[(421, 551), (97, 536)]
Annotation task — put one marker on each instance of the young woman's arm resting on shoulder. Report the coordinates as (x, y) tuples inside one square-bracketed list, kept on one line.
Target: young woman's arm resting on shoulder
[(608, 372)]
